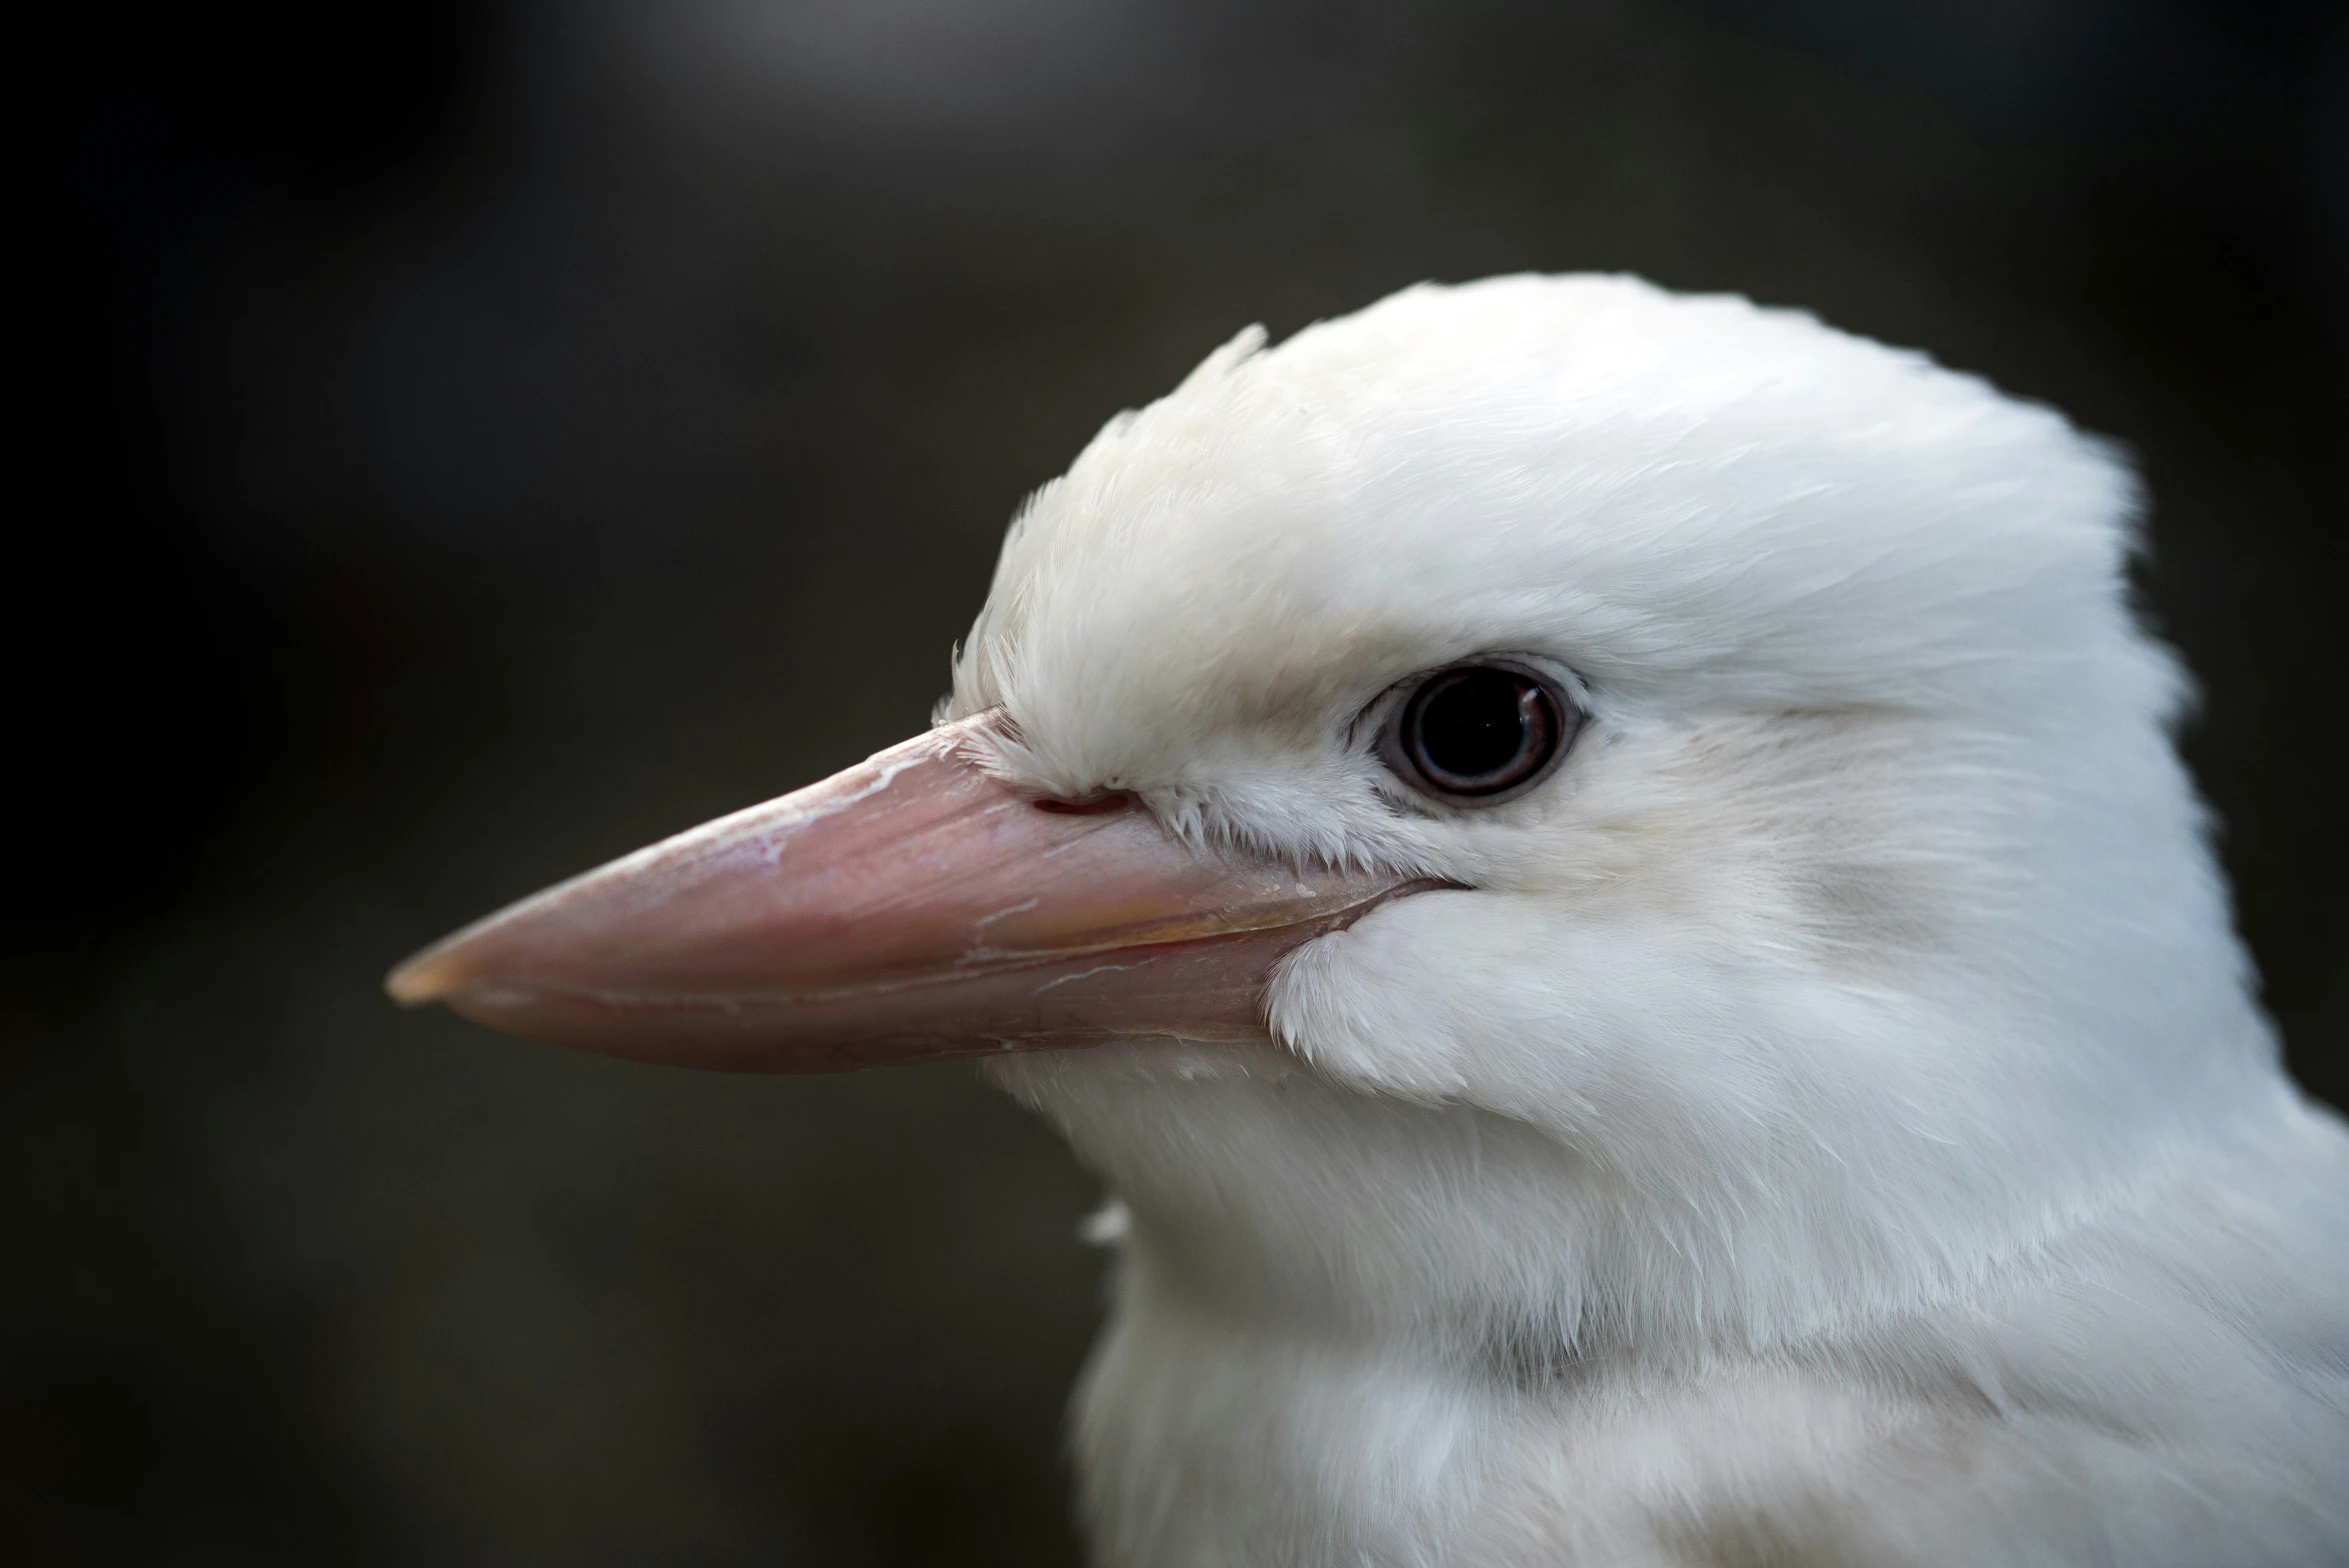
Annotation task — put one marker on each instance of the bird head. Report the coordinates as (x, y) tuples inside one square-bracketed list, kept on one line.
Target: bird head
[(1543, 803)]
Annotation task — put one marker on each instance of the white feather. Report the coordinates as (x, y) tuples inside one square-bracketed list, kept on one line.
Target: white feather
[(1830, 1126)]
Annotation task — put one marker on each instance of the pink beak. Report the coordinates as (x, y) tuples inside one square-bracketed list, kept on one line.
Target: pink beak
[(911, 908)]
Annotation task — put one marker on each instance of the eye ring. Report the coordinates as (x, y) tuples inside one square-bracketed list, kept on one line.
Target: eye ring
[(1480, 732)]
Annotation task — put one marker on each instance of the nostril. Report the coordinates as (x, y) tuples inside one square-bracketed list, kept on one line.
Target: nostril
[(1087, 804)]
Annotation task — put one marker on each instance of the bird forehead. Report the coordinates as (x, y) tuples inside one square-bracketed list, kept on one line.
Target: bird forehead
[(1648, 487)]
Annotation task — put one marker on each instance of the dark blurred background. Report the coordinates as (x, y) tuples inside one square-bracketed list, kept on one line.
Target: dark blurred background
[(471, 440)]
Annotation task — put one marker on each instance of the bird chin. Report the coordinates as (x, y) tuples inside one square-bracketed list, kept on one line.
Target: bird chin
[(1028, 1076)]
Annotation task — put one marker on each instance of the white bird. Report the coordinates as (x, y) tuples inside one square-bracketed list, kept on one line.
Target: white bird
[(1602, 875)]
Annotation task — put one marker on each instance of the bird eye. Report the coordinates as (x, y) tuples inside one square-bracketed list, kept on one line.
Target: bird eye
[(1480, 733)]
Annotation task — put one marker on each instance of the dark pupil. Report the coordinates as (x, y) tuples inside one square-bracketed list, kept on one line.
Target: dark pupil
[(1472, 728)]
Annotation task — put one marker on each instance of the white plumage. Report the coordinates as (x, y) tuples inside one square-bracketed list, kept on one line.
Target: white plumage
[(1824, 1121), (1830, 1126)]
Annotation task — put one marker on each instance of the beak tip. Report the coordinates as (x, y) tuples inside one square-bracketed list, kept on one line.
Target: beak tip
[(416, 982)]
